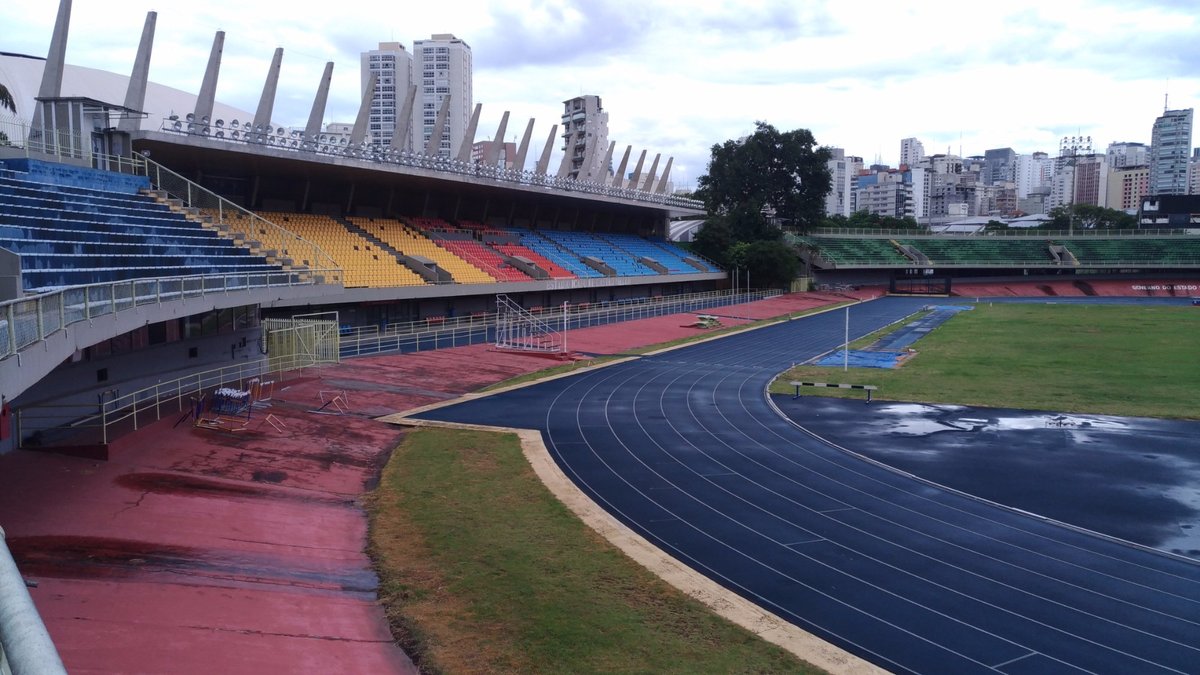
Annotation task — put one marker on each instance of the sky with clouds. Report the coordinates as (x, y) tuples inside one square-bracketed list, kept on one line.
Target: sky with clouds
[(678, 77)]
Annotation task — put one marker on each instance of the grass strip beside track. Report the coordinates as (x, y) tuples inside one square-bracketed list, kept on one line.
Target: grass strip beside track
[(483, 570), (1101, 359)]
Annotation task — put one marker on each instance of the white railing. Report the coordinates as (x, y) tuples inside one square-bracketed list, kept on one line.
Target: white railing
[(444, 332), (519, 329), (25, 645), (33, 318), (103, 422), (334, 145)]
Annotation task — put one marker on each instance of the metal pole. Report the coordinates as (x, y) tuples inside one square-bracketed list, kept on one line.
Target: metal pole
[(26, 643)]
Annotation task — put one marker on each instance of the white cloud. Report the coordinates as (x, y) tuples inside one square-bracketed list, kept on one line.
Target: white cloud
[(679, 77)]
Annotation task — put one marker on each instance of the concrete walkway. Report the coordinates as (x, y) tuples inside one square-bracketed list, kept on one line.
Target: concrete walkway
[(200, 551)]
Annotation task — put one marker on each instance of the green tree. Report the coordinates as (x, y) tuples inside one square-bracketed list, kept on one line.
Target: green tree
[(771, 264), (780, 173), (6, 100), (1089, 217)]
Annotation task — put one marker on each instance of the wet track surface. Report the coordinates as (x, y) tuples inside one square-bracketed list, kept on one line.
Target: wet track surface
[(686, 449)]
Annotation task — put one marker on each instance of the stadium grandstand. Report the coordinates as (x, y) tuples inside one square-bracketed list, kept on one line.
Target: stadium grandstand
[(150, 254)]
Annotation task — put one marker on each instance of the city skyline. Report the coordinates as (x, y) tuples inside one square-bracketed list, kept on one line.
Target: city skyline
[(677, 80)]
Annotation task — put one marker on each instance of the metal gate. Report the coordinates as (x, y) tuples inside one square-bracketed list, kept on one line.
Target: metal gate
[(302, 341)]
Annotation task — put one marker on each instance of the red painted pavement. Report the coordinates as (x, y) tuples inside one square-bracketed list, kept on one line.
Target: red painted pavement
[(200, 551)]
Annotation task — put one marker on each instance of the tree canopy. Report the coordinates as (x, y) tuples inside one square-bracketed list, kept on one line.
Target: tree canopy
[(6, 100), (783, 173), (1089, 217), (767, 176)]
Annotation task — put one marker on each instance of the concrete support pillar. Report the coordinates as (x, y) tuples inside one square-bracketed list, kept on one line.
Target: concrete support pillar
[(637, 172), (492, 156), (468, 139), (544, 163), (439, 127), (523, 149), (564, 167), (601, 176), (135, 94), (208, 88), (318, 107), (266, 102), (650, 177), (400, 137), (364, 113), (662, 182), (56, 58), (619, 179)]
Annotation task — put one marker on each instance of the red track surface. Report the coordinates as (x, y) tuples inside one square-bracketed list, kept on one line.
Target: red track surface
[(199, 551)]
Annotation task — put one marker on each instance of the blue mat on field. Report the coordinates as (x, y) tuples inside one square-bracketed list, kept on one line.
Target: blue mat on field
[(910, 333), (887, 351), (861, 359)]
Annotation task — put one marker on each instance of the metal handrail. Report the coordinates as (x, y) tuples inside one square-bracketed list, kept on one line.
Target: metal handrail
[(25, 644), (30, 319)]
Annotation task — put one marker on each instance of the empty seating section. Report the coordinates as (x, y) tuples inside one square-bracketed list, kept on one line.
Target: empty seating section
[(684, 255), (1183, 251), (858, 251), (363, 263), (983, 251), (554, 270), (410, 241), (586, 245), (72, 235), (484, 258), (555, 253), (643, 248)]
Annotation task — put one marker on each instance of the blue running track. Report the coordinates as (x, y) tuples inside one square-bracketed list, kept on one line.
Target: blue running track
[(686, 449)]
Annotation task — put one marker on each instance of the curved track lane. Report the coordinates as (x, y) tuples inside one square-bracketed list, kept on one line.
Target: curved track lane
[(685, 448)]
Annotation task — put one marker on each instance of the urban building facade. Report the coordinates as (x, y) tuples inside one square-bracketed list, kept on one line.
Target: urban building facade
[(999, 165), (442, 68), (1170, 147), (585, 139), (1127, 186), (391, 66), (912, 152), (1121, 155), (840, 199)]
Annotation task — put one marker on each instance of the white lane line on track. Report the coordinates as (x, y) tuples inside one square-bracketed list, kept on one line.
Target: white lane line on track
[(943, 506), (1012, 612)]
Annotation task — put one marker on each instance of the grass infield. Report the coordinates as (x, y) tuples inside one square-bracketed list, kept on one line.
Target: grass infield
[(1103, 359), (482, 570)]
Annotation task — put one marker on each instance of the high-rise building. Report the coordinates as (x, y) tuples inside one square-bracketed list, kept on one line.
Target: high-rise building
[(391, 65), (441, 69), (1170, 145), (1121, 155), (911, 152), (1194, 173), (998, 166), (839, 200), (1127, 186), (1032, 172), (585, 139)]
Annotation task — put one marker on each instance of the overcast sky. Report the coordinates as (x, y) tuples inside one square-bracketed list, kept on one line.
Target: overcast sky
[(677, 77)]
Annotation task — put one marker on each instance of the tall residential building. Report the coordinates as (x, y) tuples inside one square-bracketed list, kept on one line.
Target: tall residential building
[(1170, 145), (1091, 180), (998, 166), (1032, 172), (441, 68), (911, 152), (585, 139), (839, 200), (1121, 155), (1194, 173), (1127, 186), (392, 66)]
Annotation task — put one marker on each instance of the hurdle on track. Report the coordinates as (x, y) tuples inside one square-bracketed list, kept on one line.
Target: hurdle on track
[(866, 387)]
